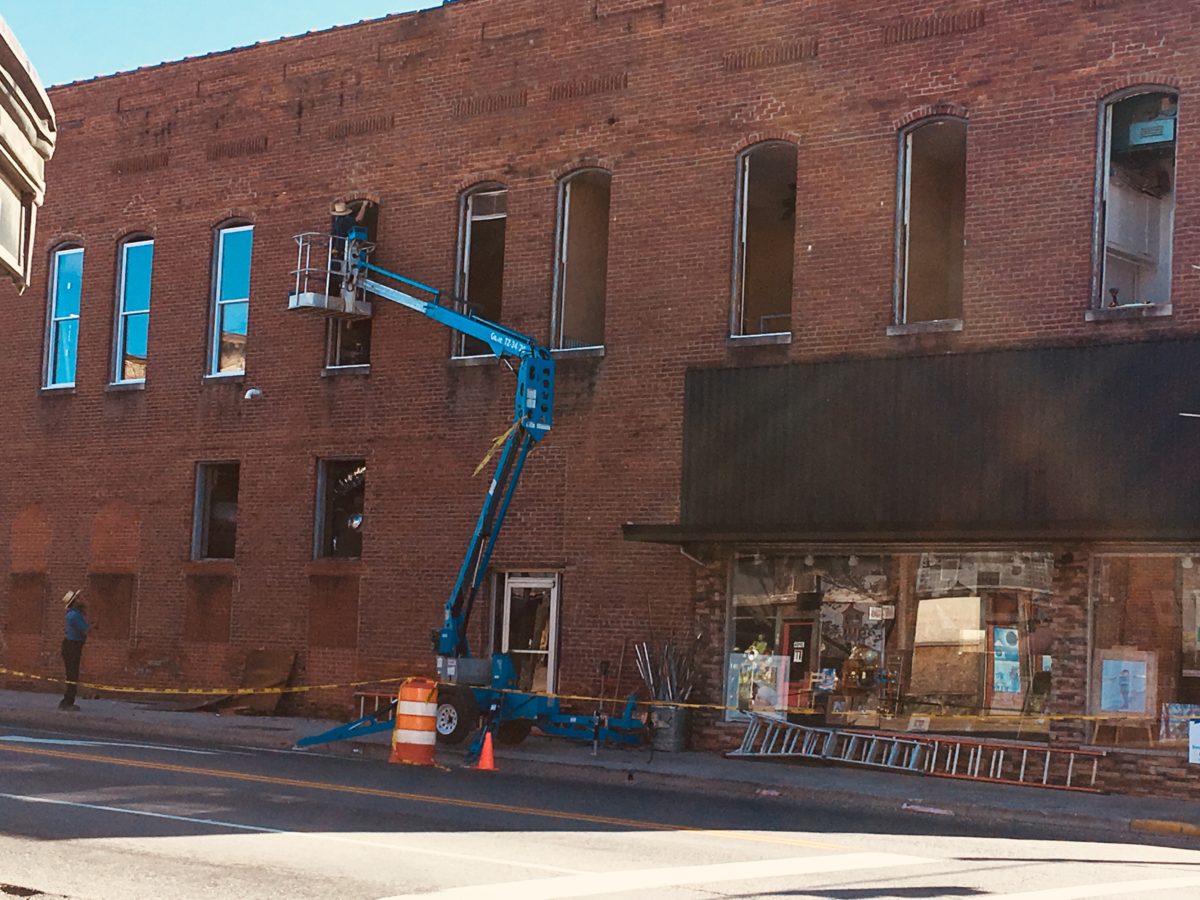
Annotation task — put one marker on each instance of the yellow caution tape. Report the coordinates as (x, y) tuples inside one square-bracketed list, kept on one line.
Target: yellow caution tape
[(578, 698), (496, 445)]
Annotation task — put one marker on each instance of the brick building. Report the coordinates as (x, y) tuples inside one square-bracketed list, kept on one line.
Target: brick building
[(882, 313)]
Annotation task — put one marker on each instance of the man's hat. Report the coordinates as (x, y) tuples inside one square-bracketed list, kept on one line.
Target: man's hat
[(339, 208), (70, 597)]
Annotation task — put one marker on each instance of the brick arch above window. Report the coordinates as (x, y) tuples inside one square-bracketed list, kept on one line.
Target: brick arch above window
[(583, 164), (1137, 84), (133, 233), (749, 141), (234, 219), (66, 240), (932, 111)]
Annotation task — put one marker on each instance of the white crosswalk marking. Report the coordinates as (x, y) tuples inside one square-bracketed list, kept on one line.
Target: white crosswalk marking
[(1111, 889), (642, 881)]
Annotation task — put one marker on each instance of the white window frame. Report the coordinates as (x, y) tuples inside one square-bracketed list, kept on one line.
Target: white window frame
[(559, 310), (546, 581), (333, 348), (737, 327), (118, 367), (214, 335), (464, 267), (202, 506), (54, 323)]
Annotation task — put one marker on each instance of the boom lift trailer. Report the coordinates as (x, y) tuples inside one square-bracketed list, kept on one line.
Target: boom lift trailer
[(468, 685)]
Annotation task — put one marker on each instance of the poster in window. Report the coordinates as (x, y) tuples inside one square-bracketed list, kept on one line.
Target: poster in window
[(1124, 682), (1006, 661), (756, 682)]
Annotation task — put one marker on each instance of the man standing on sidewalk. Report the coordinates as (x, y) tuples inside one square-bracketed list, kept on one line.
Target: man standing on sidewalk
[(76, 628)]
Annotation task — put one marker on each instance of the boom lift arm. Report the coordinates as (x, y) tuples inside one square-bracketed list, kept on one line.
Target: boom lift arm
[(477, 685)]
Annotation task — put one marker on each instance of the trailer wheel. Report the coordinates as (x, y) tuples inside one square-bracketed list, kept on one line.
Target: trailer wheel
[(457, 715), (513, 732)]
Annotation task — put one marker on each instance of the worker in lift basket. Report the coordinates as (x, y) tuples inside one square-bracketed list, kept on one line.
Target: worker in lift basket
[(343, 217)]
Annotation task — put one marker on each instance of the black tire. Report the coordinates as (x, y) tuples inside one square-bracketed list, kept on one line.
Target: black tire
[(513, 732), (457, 715)]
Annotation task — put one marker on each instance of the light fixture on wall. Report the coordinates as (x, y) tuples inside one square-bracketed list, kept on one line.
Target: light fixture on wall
[(853, 560), (809, 561), (1187, 562)]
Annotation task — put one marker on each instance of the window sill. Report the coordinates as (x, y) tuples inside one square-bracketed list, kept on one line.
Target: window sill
[(57, 390), (467, 362), (335, 567), (758, 340), (338, 371), (1130, 311), (222, 567), (228, 377), (118, 387), (578, 352), (934, 327)]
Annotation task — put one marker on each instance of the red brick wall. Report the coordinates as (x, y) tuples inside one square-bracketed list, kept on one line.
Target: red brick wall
[(415, 108)]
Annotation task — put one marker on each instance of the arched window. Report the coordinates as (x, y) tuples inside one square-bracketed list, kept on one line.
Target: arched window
[(766, 240), (62, 325), (484, 219), (230, 312), (582, 263), (932, 210), (131, 341), (1136, 198)]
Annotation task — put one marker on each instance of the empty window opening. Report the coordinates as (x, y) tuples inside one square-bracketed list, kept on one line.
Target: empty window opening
[(766, 240), (133, 311), (15, 206), (231, 301), (582, 260), (1138, 199), (348, 343), (485, 214), (62, 342), (341, 491), (214, 532), (933, 208)]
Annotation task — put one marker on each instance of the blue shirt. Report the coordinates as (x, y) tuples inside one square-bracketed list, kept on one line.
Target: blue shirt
[(77, 626)]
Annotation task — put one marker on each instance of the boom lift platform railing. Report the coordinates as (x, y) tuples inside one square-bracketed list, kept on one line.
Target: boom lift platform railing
[(945, 756), (333, 278)]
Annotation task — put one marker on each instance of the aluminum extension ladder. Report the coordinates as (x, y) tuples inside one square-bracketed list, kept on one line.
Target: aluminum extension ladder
[(770, 736), (1000, 762)]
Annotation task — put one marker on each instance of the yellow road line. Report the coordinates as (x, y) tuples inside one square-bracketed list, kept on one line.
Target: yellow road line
[(277, 781)]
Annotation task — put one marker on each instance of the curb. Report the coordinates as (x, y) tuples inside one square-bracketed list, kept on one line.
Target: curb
[(1164, 826)]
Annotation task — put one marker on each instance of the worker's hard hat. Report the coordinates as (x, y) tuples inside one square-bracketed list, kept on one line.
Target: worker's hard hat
[(340, 208)]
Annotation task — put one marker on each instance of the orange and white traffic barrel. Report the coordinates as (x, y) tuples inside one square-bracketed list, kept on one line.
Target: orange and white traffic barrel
[(414, 738)]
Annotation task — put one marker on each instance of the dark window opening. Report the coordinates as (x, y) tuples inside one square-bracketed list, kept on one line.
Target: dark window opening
[(482, 274), (582, 260), (348, 343), (215, 533), (1138, 199), (766, 240), (934, 202), (342, 485)]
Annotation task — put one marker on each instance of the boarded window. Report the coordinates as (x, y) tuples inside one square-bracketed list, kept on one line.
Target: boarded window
[(341, 492), (933, 207), (1138, 199), (110, 605), (26, 603), (209, 609), (481, 275), (215, 527), (582, 260), (333, 612), (765, 240)]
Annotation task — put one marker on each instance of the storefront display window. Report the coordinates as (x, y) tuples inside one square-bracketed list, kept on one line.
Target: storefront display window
[(1145, 650)]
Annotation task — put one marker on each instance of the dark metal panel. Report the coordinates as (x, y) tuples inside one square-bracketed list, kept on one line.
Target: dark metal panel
[(1048, 440)]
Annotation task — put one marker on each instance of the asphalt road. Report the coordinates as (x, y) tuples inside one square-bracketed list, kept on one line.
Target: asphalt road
[(107, 819)]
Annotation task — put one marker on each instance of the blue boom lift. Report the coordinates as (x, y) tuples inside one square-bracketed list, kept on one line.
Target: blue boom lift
[(468, 686)]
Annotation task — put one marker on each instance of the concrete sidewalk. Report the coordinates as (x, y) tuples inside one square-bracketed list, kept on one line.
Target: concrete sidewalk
[(813, 785)]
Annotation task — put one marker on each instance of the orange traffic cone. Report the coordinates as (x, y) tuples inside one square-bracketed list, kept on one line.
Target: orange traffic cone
[(487, 762)]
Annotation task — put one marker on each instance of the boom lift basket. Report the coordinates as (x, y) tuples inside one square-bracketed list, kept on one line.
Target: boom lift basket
[(324, 281)]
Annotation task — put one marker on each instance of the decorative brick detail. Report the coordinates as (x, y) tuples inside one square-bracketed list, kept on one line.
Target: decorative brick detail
[(247, 146), (465, 107), (606, 8), (362, 125), (319, 65), (1090, 5), (509, 30), (586, 87), (765, 56), (143, 100), (137, 165), (221, 84), (906, 30)]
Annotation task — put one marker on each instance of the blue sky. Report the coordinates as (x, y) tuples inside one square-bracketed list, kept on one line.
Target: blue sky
[(72, 39)]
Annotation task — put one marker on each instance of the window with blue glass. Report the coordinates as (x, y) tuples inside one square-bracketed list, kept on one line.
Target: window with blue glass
[(66, 276), (231, 301), (133, 311)]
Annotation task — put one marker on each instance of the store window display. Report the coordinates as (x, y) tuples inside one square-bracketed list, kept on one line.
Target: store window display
[(1145, 654)]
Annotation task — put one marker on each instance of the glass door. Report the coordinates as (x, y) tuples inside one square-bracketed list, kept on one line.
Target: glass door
[(529, 629)]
